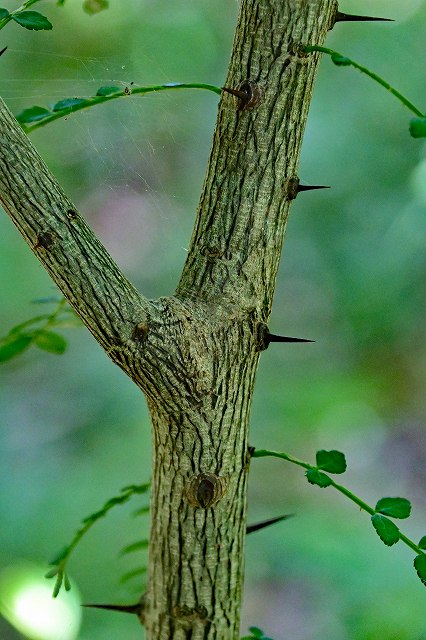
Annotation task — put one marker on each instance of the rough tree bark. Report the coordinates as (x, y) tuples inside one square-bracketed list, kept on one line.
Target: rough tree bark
[(195, 354)]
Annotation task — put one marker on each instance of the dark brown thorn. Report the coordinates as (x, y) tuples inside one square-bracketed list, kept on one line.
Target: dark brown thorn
[(347, 17), (235, 92), (270, 337), (309, 187), (124, 608), (2, 51), (265, 523)]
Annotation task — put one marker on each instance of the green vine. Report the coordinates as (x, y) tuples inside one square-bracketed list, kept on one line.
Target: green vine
[(417, 125), (39, 116), (60, 561), (335, 462)]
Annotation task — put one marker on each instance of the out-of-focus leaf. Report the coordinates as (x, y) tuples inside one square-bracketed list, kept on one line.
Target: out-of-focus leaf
[(15, 345), (95, 6), (50, 341), (418, 127), (32, 20)]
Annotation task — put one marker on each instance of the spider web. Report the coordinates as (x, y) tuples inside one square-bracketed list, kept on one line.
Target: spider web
[(134, 166)]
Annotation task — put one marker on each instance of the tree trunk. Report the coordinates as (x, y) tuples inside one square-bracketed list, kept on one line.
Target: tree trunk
[(195, 355)]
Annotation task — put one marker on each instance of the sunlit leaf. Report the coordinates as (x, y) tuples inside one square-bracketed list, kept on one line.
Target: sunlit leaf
[(32, 20), (394, 507), (387, 531)]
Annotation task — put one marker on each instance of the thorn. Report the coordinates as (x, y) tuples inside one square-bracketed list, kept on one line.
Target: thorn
[(265, 523), (2, 51), (129, 608), (308, 187), (347, 17), (270, 337), (235, 92)]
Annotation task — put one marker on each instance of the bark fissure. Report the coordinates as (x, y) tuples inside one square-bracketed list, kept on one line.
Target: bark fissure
[(194, 354)]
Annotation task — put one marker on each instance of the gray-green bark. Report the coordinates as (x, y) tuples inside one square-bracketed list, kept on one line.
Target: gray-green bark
[(195, 354)]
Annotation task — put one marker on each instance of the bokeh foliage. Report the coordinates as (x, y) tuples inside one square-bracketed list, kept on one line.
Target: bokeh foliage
[(74, 429)]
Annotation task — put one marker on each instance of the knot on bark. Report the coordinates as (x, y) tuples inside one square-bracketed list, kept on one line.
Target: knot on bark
[(205, 489)]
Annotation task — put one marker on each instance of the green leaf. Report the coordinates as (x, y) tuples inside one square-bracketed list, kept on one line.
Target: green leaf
[(67, 583), (394, 507), (3, 13), (422, 543), (32, 20), (50, 341), (420, 567), (331, 461), (132, 574), (136, 546), (52, 573), (32, 114), (15, 345), (58, 584), (387, 531), (68, 103), (107, 91), (141, 511), (340, 61), (95, 6), (256, 632), (317, 477), (418, 127)]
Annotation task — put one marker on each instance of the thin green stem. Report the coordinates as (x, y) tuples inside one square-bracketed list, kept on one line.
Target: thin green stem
[(371, 74), (263, 453), (90, 102)]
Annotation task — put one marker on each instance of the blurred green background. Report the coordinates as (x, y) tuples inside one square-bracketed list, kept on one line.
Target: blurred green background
[(74, 430)]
